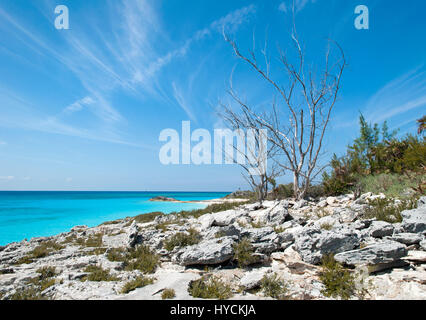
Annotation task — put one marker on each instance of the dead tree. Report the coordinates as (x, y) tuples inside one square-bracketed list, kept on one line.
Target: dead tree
[(299, 117), (259, 168)]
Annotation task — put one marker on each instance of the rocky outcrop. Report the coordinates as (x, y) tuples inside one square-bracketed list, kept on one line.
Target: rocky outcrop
[(287, 238), (380, 255), (414, 221), (312, 244), (165, 199), (209, 252)]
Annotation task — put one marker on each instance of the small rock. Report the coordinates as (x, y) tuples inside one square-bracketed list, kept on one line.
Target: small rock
[(407, 238), (133, 235), (331, 200), (382, 253), (208, 252), (251, 280), (312, 243), (380, 229), (423, 244)]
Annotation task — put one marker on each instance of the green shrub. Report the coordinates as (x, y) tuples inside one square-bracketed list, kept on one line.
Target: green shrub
[(392, 185), (387, 210), (97, 274), (41, 251), (326, 226), (46, 272), (93, 241), (139, 282), (27, 293), (182, 239), (139, 258), (243, 253), (272, 286), (142, 259), (338, 281), (168, 294), (96, 252), (377, 161), (147, 217), (44, 281), (209, 288), (283, 191)]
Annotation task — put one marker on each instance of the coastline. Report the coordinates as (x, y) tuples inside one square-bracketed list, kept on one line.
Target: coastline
[(25, 215), (286, 238)]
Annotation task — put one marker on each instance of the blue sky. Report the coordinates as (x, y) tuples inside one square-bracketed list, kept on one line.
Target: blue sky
[(82, 109)]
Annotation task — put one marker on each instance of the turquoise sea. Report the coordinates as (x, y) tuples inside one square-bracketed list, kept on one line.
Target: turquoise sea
[(28, 214)]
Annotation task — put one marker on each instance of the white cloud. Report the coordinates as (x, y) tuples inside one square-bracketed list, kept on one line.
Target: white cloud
[(399, 96), (182, 102), (7, 178), (3, 143), (282, 7), (79, 105), (299, 5)]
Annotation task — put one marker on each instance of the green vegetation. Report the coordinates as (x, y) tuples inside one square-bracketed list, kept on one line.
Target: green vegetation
[(41, 251), (326, 226), (390, 184), (139, 282), (257, 225), (209, 288), (46, 272), (284, 191), (96, 252), (27, 293), (272, 286), (147, 217), (140, 258), (93, 241), (182, 239), (36, 286), (338, 281), (97, 273), (243, 253), (387, 210), (168, 294), (377, 162)]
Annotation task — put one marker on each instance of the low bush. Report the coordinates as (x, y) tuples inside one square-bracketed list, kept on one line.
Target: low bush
[(139, 282), (209, 288), (168, 294), (392, 185), (387, 210), (182, 239), (147, 217), (93, 241), (41, 251), (337, 280), (97, 274), (243, 253), (46, 272), (272, 286), (27, 293), (140, 258)]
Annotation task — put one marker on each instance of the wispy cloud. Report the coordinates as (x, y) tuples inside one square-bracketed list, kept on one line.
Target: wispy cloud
[(398, 97), (124, 56), (299, 5), (7, 178), (177, 93)]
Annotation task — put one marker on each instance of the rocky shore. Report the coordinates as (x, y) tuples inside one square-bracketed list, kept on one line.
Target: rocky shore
[(253, 251)]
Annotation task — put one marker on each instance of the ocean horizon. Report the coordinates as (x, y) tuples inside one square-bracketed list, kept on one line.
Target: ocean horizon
[(30, 214)]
